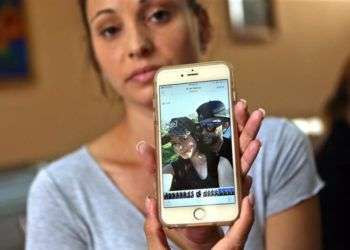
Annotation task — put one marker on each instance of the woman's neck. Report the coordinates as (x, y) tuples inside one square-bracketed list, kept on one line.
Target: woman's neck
[(139, 123), (198, 158), (199, 162), (119, 144)]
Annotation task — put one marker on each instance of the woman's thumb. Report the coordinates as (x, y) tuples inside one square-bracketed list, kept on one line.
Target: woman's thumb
[(147, 153), (155, 235)]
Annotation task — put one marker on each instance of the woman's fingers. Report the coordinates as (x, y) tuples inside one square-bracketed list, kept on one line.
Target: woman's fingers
[(241, 114), (238, 233), (147, 154), (155, 235), (249, 156), (251, 129)]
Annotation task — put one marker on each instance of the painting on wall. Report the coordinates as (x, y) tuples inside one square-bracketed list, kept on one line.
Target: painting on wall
[(253, 20), (13, 41)]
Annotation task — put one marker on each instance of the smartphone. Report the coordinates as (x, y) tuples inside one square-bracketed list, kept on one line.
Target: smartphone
[(198, 170)]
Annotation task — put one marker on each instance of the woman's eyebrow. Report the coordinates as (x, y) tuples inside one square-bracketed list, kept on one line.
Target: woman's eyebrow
[(103, 12), (112, 11)]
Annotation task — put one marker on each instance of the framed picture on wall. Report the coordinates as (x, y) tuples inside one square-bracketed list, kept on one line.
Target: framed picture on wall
[(13, 40), (253, 20)]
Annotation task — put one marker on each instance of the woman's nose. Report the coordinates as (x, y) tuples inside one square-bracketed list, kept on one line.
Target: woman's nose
[(140, 43), (178, 148)]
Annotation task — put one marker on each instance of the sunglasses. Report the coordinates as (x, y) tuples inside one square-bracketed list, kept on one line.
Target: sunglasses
[(211, 126)]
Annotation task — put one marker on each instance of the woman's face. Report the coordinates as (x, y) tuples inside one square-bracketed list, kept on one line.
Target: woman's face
[(132, 39), (184, 146)]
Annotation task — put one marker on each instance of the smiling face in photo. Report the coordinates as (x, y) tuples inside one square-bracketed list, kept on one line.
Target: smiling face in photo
[(184, 146)]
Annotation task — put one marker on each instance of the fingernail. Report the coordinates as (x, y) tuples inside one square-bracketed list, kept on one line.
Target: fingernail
[(251, 199), (243, 101), (263, 111), (141, 146)]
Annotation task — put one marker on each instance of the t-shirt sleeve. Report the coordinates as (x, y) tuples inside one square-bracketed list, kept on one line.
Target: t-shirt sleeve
[(51, 224), (292, 176)]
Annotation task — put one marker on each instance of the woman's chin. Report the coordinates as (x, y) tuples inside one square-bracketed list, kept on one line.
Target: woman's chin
[(143, 97), (148, 102), (186, 156)]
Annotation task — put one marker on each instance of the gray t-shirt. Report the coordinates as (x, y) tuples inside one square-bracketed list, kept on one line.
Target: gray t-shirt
[(73, 204)]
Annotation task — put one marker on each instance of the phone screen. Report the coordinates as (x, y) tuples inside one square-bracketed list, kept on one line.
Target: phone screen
[(196, 148)]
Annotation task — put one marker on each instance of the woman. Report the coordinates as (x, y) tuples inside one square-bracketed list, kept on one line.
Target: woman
[(95, 197), (195, 168)]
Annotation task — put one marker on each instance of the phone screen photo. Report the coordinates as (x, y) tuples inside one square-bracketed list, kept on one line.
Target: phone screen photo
[(196, 144)]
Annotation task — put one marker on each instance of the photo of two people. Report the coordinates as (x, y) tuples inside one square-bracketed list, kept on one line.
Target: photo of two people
[(197, 152)]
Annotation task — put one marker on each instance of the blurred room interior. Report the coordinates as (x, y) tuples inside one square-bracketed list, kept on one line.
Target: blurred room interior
[(290, 69)]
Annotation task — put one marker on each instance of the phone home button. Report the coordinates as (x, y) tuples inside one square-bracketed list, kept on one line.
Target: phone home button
[(199, 214)]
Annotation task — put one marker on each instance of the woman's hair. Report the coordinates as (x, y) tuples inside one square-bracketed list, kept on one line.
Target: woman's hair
[(338, 105), (183, 126), (193, 4)]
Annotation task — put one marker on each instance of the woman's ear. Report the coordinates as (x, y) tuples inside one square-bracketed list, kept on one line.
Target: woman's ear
[(205, 29)]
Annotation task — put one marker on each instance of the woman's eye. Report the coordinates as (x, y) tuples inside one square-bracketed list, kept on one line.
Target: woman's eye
[(109, 32), (160, 16)]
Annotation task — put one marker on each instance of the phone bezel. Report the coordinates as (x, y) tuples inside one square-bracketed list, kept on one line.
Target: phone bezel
[(223, 214)]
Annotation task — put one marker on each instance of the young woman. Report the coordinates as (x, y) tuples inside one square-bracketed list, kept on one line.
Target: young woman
[(196, 167), (94, 198)]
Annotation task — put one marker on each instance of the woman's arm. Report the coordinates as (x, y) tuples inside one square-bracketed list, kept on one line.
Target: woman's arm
[(168, 174), (225, 173), (292, 184), (297, 228)]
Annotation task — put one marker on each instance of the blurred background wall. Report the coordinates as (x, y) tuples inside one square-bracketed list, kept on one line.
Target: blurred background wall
[(59, 107)]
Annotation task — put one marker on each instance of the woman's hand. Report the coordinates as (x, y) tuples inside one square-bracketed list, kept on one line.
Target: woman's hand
[(233, 240), (248, 127)]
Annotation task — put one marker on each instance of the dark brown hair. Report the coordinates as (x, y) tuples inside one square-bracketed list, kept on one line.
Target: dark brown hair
[(193, 4), (338, 105)]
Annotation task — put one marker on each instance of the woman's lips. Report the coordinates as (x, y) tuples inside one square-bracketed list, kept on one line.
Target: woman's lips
[(143, 75)]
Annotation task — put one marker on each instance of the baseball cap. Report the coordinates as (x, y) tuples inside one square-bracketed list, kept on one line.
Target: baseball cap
[(181, 126), (212, 111)]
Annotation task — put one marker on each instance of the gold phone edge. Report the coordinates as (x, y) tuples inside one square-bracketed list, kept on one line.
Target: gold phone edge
[(234, 140)]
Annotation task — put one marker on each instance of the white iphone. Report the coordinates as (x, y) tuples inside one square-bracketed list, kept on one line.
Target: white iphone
[(196, 143)]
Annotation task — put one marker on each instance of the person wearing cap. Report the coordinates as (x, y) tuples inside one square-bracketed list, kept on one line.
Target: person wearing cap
[(214, 119), (194, 169)]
